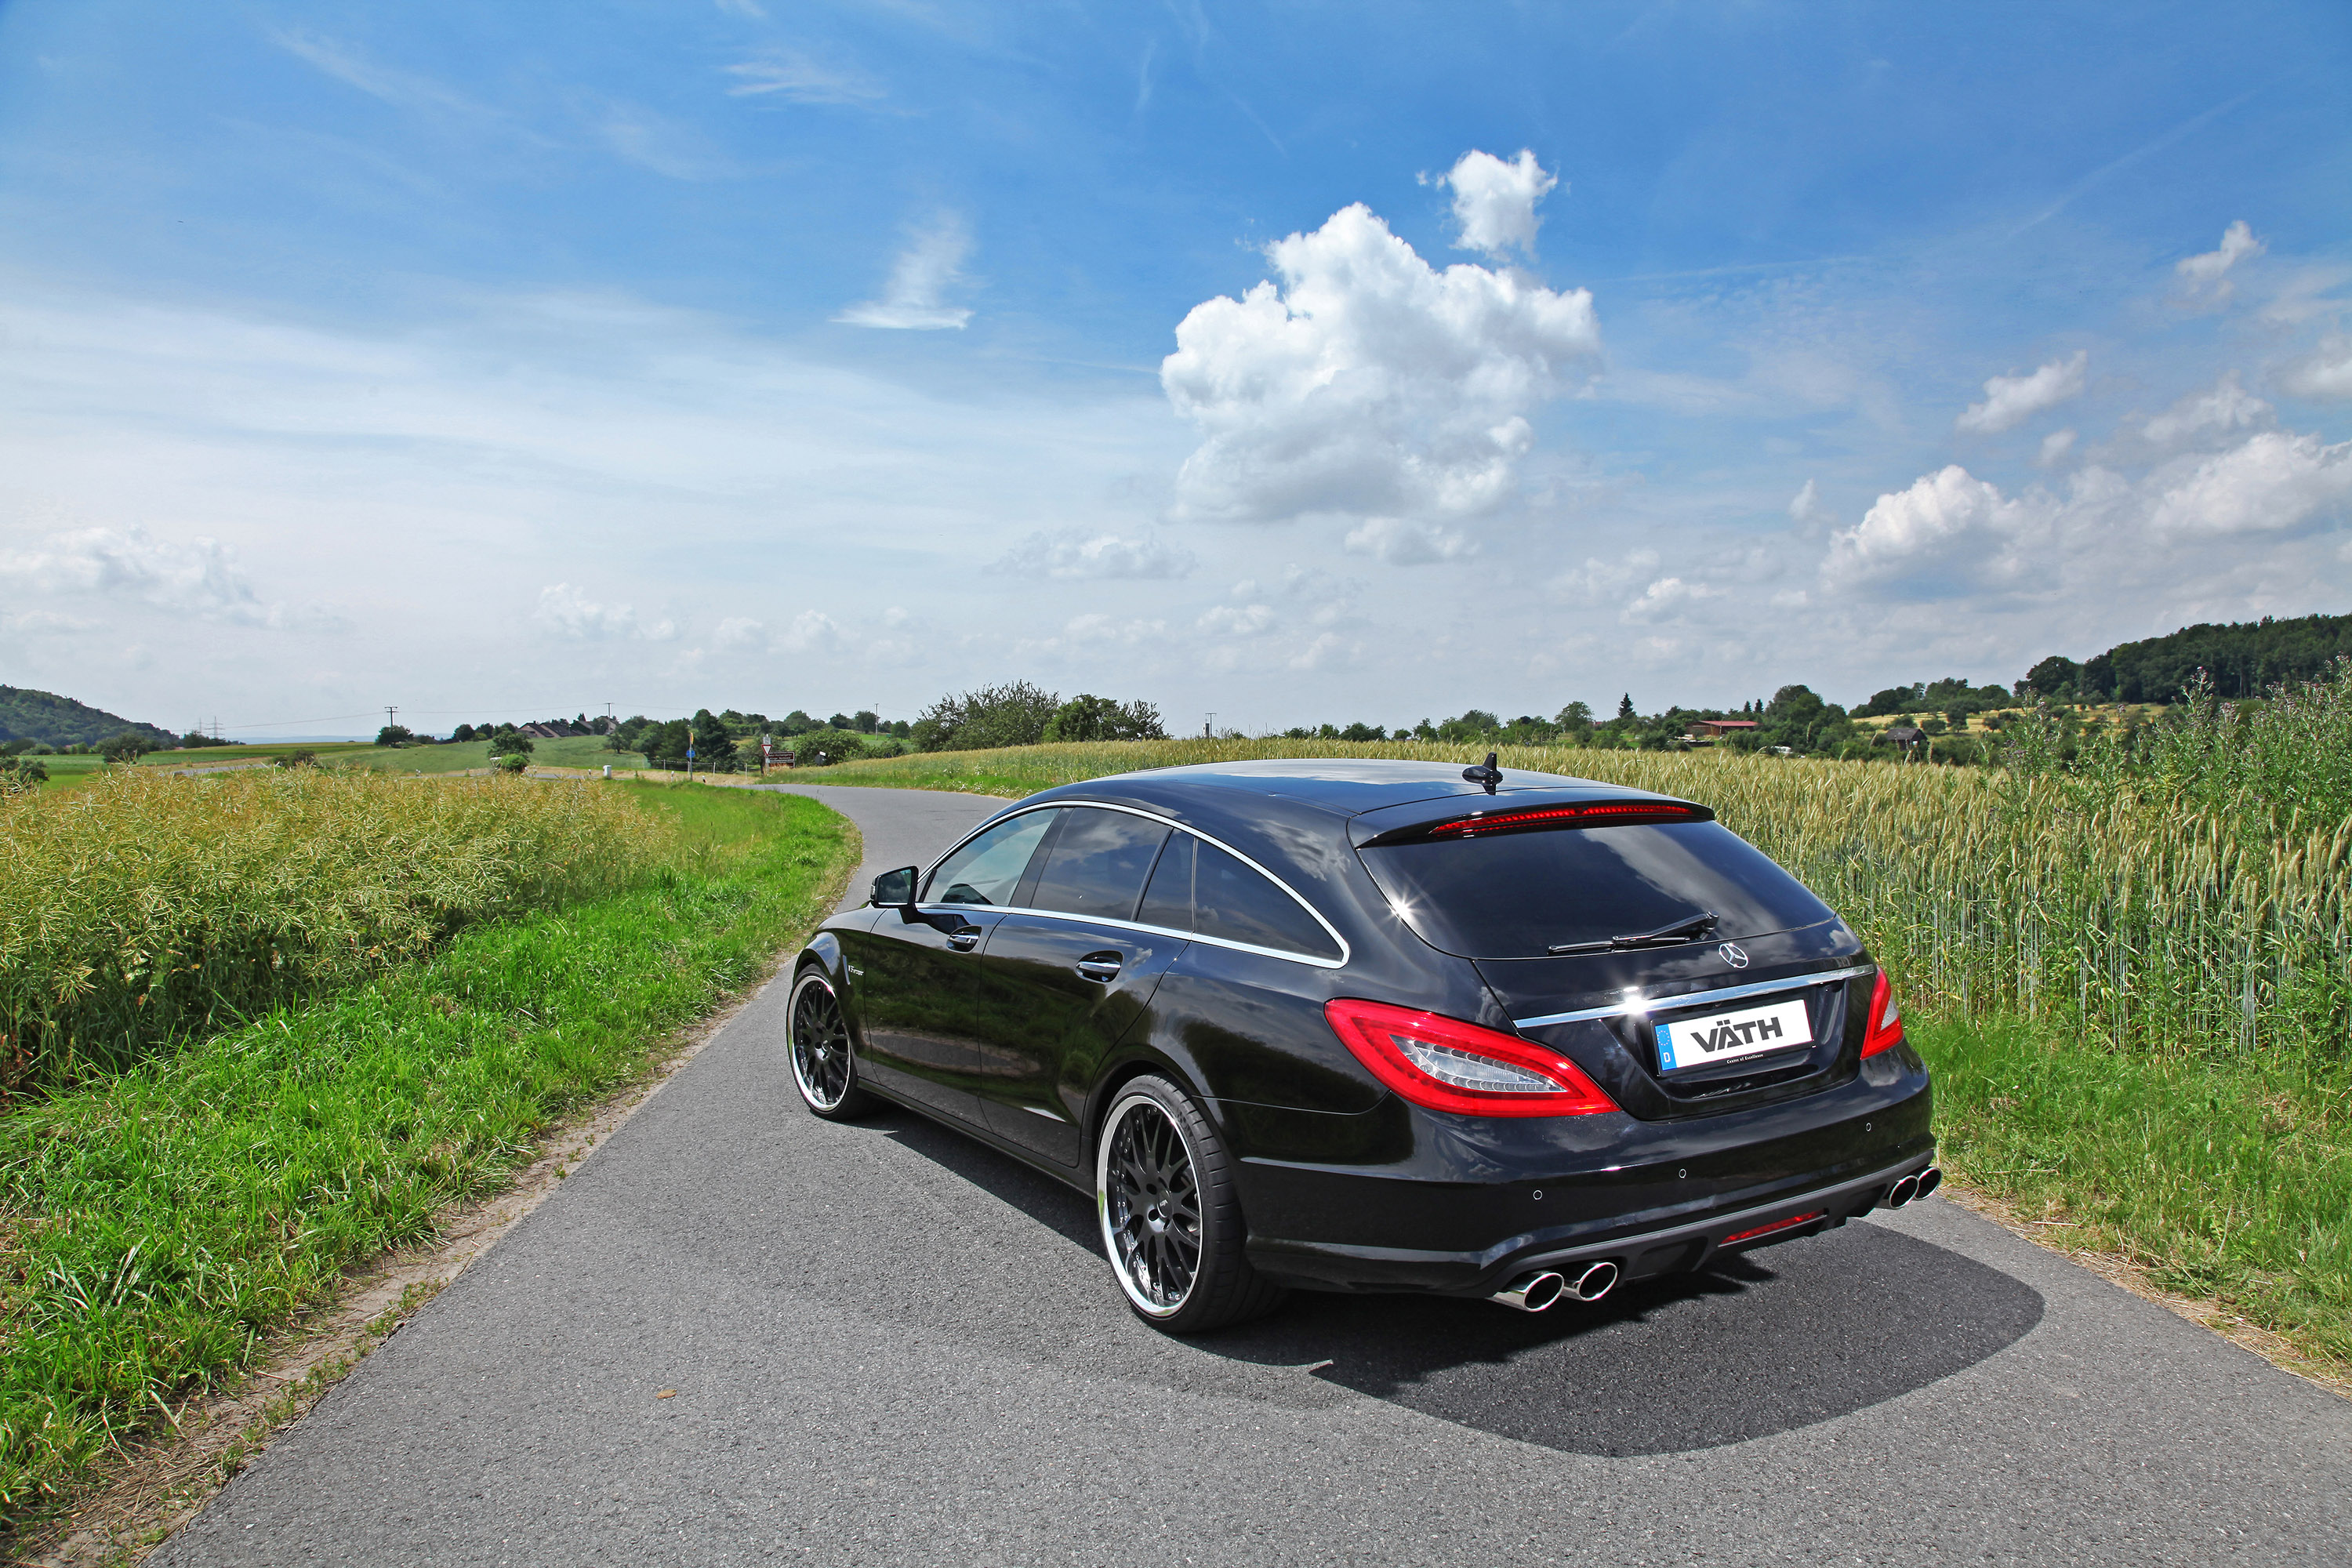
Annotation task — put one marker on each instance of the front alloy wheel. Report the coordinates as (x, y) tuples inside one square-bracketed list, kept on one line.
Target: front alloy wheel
[(819, 1047), (1171, 1223)]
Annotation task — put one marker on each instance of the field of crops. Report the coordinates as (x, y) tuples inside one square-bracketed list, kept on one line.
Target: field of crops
[(141, 909), (2128, 918)]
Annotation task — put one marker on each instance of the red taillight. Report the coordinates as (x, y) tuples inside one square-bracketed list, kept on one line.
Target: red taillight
[(1886, 1022), (1445, 1064), (1595, 813), (1789, 1223)]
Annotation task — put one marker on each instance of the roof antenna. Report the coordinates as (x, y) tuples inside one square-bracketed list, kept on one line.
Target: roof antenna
[(1486, 772)]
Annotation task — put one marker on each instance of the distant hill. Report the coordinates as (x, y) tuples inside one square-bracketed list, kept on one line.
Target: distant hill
[(29, 715), (2244, 657)]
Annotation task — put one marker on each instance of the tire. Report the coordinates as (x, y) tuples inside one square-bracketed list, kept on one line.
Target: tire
[(1172, 1220), (816, 1043)]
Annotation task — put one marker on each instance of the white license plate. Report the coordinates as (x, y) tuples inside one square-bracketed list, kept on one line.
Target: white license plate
[(1727, 1037)]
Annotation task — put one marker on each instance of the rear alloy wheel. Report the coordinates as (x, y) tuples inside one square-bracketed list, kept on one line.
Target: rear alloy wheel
[(1171, 1221), (818, 1044)]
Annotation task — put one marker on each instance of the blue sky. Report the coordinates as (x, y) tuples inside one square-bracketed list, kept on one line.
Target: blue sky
[(1297, 363)]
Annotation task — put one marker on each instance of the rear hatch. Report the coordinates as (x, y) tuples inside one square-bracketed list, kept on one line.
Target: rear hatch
[(1665, 955)]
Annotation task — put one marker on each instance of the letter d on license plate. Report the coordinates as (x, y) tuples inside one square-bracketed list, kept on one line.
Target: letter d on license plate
[(1727, 1037)]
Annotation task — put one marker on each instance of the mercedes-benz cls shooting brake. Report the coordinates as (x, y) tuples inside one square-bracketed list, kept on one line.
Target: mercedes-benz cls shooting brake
[(1379, 1025)]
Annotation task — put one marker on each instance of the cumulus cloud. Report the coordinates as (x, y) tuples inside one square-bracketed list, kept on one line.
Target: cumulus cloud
[(567, 612), (1494, 202), (810, 631), (2275, 481), (1946, 532), (2227, 407), (1805, 507), (1367, 382), (1084, 553), (2054, 447), (2325, 374), (1402, 543), (915, 300), (1237, 620), (1667, 597), (740, 632), (2206, 276), (2010, 400), (201, 577)]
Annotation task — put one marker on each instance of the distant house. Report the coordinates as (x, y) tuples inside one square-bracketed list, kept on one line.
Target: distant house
[(1707, 731), (1904, 736)]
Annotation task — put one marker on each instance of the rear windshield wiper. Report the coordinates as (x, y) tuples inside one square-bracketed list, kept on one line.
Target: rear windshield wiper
[(1690, 928)]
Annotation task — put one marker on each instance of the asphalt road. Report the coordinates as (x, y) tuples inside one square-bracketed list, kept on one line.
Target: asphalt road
[(891, 1346)]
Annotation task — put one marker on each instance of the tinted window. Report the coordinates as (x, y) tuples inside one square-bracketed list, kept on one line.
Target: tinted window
[(987, 870), (1518, 895), (1200, 889), (1098, 863)]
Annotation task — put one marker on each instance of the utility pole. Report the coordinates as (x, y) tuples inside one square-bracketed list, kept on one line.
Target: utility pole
[(1208, 726), (388, 712)]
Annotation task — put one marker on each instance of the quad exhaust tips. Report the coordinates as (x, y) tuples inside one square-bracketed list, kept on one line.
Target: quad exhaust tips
[(1535, 1292), (1917, 1186)]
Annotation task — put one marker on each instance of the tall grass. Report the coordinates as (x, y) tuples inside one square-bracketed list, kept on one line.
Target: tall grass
[(146, 910), (2127, 913), (157, 1224)]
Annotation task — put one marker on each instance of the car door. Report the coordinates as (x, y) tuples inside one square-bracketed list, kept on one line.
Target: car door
[(1066, 974), (917, 978)]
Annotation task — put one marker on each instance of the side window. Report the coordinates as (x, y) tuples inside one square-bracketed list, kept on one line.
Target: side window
[(1098, 864), (1200, 889), (987, 870)]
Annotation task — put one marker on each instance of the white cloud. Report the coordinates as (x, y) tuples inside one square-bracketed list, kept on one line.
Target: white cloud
[(1494, 202), (1102, 628), (1806, 506), (2206, 275), (740, 632), (1402, 543), (2324, 374), (789, 74), (1328, 651), (567, 612), (810, 631), (1084, 553), (2275, 481), (2054, 447), (2227, 407), (1366, 383), (1667, 596), (2010, 400), (1944, 532), (1597, 580), (1237, 620), (201, 578), (915, 297)]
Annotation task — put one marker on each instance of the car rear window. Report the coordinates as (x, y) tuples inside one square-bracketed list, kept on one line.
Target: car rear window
[(1199, 888), (1520, 894), (1097, 863)]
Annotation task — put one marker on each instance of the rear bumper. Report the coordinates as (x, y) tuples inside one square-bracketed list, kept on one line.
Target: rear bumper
[(1638, 1252)]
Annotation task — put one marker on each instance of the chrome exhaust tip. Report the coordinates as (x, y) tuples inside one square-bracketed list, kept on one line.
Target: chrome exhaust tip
[(1595, 1282), (1531, 1292), (1929, 1180), (1903, 1191)]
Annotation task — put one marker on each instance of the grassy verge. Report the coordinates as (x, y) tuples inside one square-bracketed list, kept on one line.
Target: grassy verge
[(2220, 1179), (156, 1225)]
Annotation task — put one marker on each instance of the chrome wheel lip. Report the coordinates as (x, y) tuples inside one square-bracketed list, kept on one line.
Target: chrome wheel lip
[(1111, 1221), (804, 1067)]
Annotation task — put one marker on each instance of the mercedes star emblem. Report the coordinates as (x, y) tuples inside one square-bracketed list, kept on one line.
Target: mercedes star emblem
[(1734, 954)]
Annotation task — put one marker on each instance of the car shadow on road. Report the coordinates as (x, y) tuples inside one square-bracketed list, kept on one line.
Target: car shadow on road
[(1756, 1345)]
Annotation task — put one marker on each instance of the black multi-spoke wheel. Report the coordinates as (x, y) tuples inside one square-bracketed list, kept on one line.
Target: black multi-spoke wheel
[(1171, 1223), (819, 1044)]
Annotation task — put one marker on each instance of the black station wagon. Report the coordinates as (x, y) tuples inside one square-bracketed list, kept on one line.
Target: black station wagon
[(1379, 1025)]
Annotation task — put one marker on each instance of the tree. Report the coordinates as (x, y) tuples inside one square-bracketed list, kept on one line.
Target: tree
[(510, 742), (21, 774), (462, 733), (1087, 717), (196, 738), (714, 747), (2054, 677), (1625, 707), (1361, 733), (1014, 714), (665, 745), (1575, 721), (127, 747), (866, 721), (394, 735)]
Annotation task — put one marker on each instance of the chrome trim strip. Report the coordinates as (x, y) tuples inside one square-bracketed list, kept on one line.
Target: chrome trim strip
[(1329, 930), (1695, 998)]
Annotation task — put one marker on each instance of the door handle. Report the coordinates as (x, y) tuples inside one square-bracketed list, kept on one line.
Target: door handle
[(964, 940), (1102, 966)]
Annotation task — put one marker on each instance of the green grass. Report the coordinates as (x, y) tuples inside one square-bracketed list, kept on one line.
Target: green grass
[(155, 1226), (571, 751), (2222, 1179)]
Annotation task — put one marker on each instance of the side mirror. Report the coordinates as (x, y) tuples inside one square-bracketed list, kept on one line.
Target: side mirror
[(896, 890)]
